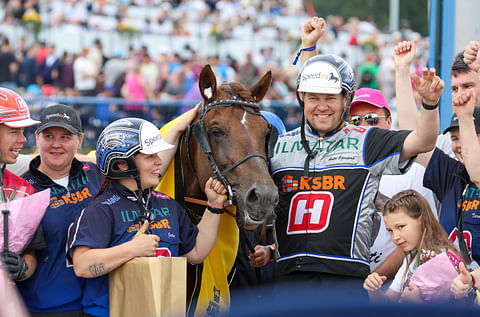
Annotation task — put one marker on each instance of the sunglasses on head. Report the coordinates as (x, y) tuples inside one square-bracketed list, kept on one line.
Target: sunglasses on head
[(370, 119)]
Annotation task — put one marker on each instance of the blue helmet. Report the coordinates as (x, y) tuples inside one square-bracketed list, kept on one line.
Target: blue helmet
[(274, 120), (121, 140)]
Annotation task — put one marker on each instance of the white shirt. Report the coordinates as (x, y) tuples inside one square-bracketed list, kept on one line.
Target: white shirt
[(20, 166), (390, 185), (444, 143), (84, 65), (399, 281)]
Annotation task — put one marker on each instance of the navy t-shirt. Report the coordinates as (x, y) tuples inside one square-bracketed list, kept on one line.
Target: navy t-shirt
[(112, 219), (449, 180)]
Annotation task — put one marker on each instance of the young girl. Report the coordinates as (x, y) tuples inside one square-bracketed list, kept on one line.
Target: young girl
[(412, 227), (128, 218)]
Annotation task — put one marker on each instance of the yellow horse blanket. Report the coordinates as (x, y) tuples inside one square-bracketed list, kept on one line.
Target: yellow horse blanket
[(211, 296)]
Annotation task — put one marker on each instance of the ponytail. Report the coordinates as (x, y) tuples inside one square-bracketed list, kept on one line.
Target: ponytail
[(103, 187)]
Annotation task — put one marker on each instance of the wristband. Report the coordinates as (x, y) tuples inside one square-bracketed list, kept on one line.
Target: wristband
[(311, 48), (429, 107), (215, 209)]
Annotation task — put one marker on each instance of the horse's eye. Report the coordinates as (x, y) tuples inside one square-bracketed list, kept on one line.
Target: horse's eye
[(217, 132)]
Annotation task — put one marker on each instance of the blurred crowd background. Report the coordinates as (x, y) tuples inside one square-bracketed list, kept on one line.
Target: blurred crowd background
[(111, 59)]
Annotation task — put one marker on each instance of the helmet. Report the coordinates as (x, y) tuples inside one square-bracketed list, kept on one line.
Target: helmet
[(124, 138), (274, 120), (328, 74), (14, 110)]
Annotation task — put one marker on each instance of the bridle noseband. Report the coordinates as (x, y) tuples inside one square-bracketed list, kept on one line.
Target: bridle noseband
[(200, 133)]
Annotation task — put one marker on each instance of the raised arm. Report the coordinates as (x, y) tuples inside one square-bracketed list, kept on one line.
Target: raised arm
[(407, 113), (423, 138), (404, 53), (463, 106), (312, 31), (471, 56), (179, 125)]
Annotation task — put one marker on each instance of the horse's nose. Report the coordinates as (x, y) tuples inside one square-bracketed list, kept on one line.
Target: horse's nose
[(260, 201)]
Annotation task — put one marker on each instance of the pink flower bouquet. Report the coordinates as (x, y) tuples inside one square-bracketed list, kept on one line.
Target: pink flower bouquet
[(434, 278), (24, 217)]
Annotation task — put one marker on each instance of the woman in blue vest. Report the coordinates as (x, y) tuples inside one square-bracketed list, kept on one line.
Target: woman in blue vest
[(129, 218), (53, 287)]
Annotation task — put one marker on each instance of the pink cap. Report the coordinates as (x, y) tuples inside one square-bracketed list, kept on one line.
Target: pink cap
[(371, 96)]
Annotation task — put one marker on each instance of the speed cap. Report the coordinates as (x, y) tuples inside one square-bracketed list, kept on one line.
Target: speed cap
[(320, 77)]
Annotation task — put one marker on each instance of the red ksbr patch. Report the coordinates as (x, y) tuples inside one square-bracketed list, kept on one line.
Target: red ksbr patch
[(310, 212), (467, 236), (160, 195), (86, 167), (360, 129), (163, 252)]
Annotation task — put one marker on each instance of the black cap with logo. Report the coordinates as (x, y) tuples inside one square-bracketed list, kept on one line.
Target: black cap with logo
[(60, 116), (476, 121)]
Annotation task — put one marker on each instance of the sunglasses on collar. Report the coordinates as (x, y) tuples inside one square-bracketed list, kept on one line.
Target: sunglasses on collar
[(370, 119)]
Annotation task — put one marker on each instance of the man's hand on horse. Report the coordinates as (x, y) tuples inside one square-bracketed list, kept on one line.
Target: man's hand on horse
[(216, 193), (312, 31), (261, 257)]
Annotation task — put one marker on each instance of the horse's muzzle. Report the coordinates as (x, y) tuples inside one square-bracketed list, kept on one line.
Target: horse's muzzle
[(260, 202)]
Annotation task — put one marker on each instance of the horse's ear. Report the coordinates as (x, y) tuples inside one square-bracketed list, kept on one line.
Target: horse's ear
[(259, 90), (207, 83)]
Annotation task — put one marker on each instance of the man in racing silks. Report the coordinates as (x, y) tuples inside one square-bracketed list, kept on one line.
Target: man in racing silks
[(328, 171)]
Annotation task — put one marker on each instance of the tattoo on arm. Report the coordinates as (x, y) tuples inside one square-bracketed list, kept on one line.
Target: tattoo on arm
[(98, 269)]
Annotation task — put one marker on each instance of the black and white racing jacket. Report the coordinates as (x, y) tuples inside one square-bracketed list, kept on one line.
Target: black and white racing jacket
[(324, 221)]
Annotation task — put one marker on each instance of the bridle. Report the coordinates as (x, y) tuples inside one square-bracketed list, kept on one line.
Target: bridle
[(199, 132)]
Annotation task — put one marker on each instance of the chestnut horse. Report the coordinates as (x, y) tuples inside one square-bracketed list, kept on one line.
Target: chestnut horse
[(233, 142)]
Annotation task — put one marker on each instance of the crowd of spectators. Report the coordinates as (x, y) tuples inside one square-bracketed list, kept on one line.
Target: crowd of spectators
[(164, 84)]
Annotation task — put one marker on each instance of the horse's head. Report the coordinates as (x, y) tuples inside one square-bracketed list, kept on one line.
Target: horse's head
[(233, 142)]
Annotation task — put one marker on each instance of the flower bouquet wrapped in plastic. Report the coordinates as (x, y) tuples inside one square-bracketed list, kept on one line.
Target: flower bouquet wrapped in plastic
[(24, 217), (435, 276)]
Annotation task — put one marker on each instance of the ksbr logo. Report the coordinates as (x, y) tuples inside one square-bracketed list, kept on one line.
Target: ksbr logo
[(309, 212)]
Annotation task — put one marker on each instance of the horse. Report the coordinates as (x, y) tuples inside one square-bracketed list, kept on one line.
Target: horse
[(230, 140), (235, 141)]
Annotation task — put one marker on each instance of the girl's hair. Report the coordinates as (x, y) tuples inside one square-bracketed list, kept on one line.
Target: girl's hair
[(105, 183), (413, 204)]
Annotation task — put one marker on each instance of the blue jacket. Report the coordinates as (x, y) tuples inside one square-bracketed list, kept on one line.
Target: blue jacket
[(448, 179), (112, 219), (54, 287)]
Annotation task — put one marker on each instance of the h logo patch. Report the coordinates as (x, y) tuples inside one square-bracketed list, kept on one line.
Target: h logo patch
[(310, 212)]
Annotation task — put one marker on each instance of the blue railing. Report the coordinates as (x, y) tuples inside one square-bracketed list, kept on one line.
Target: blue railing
[(98, 112)]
